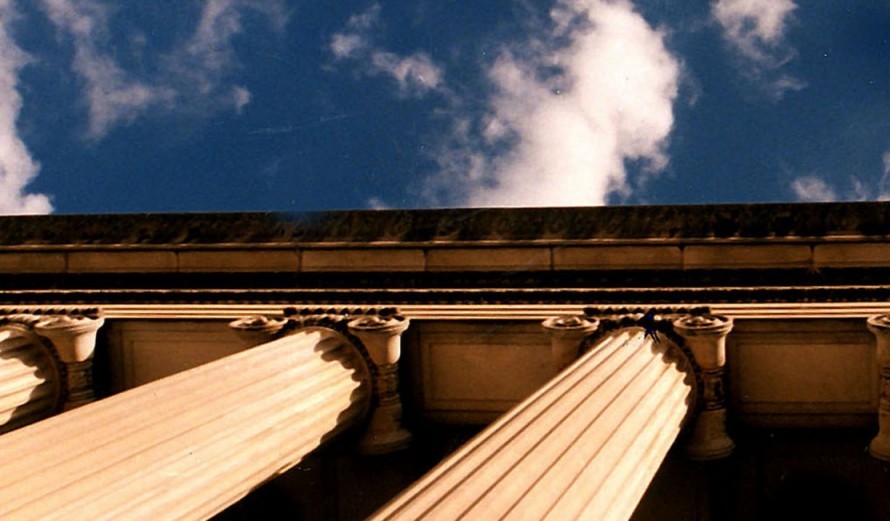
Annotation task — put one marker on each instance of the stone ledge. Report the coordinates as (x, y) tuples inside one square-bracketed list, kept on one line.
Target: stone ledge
[(362, 259), (514, 259), (121, 261), (32, 262), (617, 257), (239, 260), (852, 255), (747, 256)]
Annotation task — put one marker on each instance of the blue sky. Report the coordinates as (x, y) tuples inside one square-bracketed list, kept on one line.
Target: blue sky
[(231, 105)]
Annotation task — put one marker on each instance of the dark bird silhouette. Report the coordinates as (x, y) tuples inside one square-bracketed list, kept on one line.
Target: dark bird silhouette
[(648, 323)]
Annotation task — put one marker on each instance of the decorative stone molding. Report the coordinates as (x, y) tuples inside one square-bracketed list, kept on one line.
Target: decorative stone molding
[(705, 337), (584, 446), (257, 329), (74, 338), (187, 446), (566, 335), (381, 337), (880, 326), (194, 231)]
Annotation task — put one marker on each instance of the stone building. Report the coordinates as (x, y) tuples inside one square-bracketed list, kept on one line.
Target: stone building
[(663, 362)]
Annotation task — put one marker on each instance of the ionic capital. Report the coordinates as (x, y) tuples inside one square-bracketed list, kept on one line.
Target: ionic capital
[(880, 326), (258, 329), (74, 339), (566, 335), (705, 337), (381, 337)]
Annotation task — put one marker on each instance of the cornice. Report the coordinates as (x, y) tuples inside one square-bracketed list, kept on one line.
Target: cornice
[(473, 312), (482, 226)]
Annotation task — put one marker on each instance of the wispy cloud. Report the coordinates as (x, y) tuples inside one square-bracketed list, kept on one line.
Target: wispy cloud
[(193, 76), (813, 189), (756, 30), (884, 185), (414, 74), (112, 97), (569, 107), (17, 168)]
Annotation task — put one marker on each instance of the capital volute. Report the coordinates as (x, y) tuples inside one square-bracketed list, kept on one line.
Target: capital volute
[(879, 324), (375, 324), (570, 326), (257, 329)]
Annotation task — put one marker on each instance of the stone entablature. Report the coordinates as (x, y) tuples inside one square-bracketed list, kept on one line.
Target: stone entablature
[(677, 238), (475, 225)]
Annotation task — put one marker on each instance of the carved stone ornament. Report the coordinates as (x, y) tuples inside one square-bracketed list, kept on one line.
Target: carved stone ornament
[(566, 335), (381, 337), (705, 338), (74, 338), (257, 329), (880, 327)]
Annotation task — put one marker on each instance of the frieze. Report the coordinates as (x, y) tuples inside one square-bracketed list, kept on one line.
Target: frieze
[(753, 221)]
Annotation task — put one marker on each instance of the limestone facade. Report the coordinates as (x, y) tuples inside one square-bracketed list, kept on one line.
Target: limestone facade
[(768, 303)]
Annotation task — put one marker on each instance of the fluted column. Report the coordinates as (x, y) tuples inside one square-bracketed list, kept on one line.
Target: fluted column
[(880, 445), (30, 383), (189, 445), (584, 446), (705, 336), (382, 339), (74, 338)]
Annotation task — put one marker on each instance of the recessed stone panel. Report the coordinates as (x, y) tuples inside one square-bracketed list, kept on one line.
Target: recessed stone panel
[(617, 257), (747, 256), (485, 368), (121, 261), (144, 351), (802, 373), (32, 262), (514, 259), (239, 260), (371, 259)]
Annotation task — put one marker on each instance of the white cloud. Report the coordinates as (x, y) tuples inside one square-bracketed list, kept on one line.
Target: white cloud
[(17, 168), (756, 30), (192, 77), (753, 24), (884, 185), (564, 117), (813, 189), (111, 96), (415, 74)]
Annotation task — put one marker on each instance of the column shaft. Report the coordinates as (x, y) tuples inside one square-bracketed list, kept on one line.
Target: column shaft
[(187, 446), (585, 445), (30, 386)]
